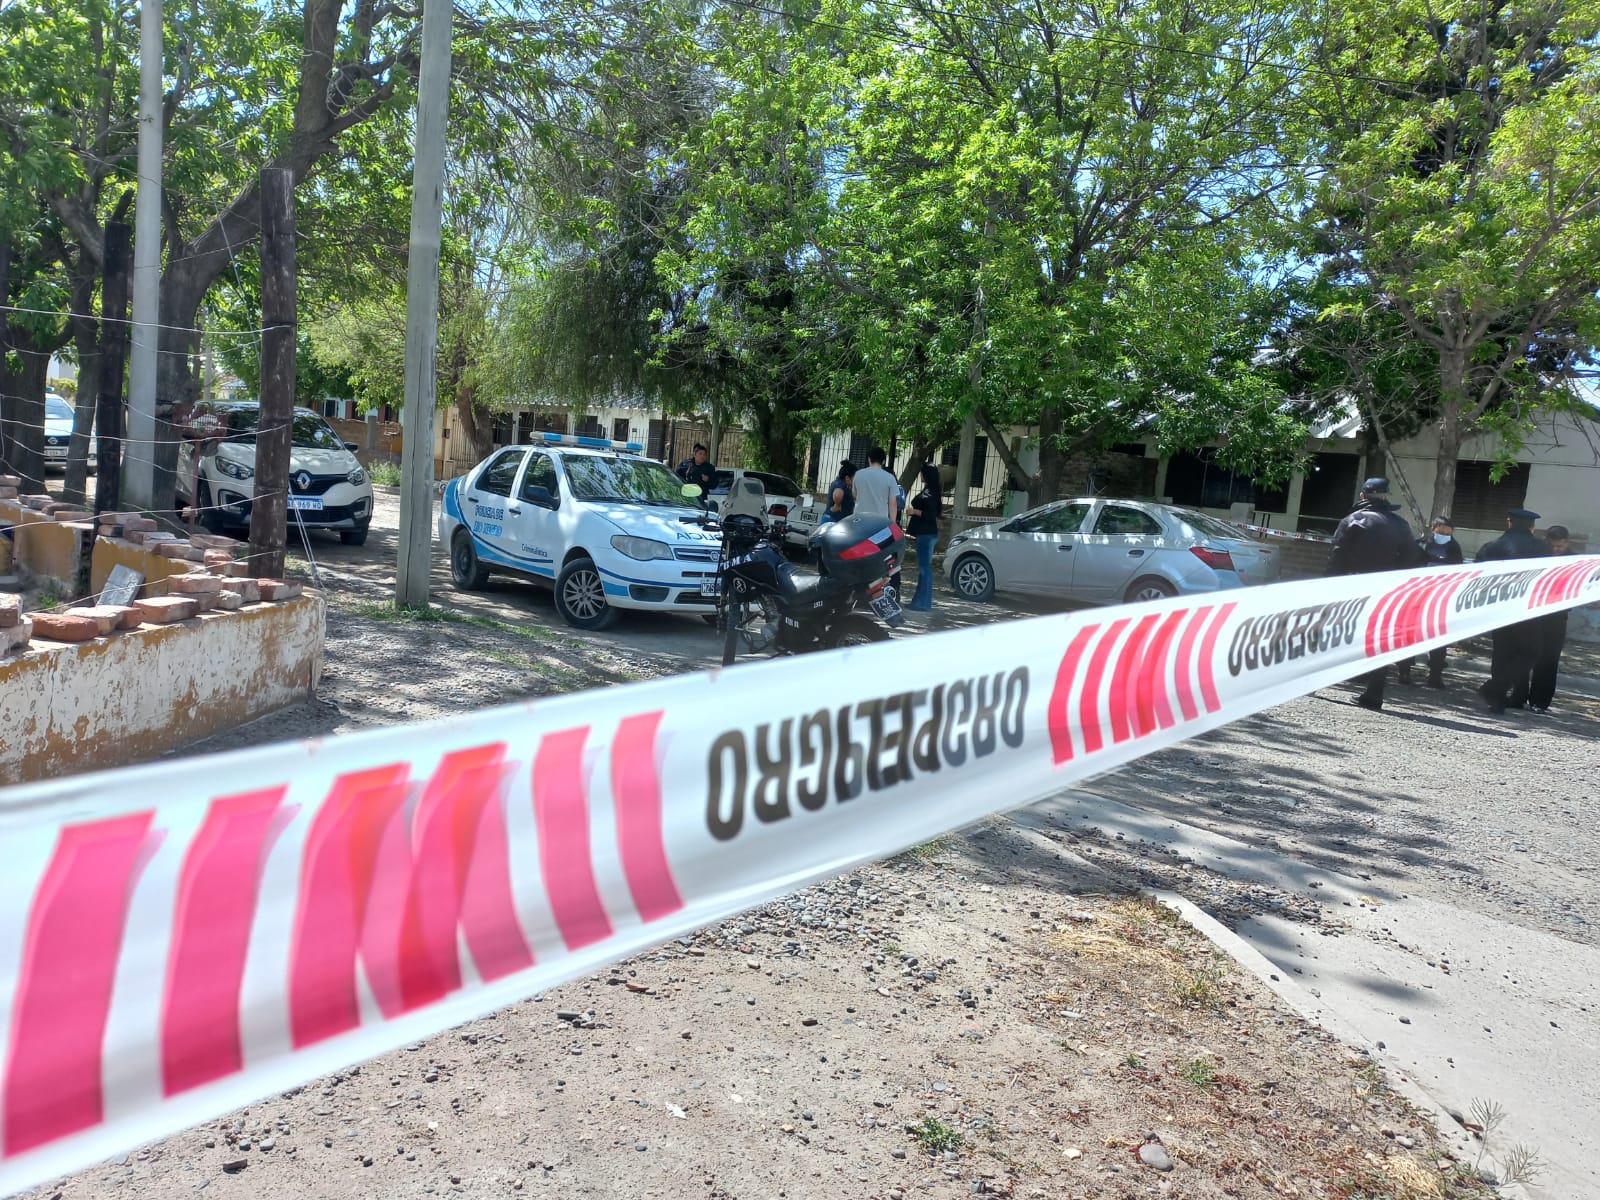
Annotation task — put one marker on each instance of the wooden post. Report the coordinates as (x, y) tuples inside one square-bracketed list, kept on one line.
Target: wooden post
[(269, 511), (113, 357)]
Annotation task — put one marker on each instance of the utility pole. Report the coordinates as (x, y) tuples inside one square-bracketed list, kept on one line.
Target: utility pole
[(269, 509), (422, 310), (139, 478), (113, 357)]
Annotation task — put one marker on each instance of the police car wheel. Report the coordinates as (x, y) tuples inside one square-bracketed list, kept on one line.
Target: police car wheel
[(581, 596), (466, 572), (973, 578)]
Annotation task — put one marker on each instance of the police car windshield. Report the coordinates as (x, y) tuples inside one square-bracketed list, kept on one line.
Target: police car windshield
[(622, 480)]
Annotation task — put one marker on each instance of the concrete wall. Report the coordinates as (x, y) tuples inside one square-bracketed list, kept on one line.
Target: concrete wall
[(46, 548), (129, 697), (109, 553)]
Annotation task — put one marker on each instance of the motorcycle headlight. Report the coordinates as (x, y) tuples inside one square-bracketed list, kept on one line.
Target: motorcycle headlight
[(643, 549), (357, 475), (235, 470)]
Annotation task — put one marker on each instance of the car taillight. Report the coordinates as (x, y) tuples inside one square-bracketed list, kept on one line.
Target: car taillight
[(778, 510), (1217, 560)]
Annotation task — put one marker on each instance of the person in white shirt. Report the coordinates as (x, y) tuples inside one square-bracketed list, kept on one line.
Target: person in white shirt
[(877, 491)]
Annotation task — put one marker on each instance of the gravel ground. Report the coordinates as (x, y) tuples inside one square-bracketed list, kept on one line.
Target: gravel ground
[(1431, 796), (977, 1018)]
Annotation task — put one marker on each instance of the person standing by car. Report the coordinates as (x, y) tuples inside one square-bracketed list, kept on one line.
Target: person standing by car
[(840, 501), (1552, 634), (923, 525), (877, 491), (699, 469), (1374, 537), (1439, 549), (1517, 645)]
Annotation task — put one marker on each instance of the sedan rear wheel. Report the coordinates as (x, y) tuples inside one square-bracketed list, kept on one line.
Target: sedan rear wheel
[(973, 578), (1149, 588), (466, 572)]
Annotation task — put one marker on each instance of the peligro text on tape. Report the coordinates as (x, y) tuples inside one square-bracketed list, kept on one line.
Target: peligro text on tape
[(171, 949)]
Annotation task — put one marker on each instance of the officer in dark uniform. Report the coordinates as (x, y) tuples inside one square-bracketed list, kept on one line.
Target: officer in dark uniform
[(1516, 647), (1438, 549), (1552, 634), (1374, 537)]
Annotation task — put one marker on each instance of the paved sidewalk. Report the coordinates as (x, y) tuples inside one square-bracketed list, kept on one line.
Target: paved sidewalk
[(1468, 1006)]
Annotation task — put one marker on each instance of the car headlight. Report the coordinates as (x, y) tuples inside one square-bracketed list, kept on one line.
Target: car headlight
[(643, 549), (357, 475), (235, 470)]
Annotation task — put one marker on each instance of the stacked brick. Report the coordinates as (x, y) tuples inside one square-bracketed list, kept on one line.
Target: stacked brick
[(217, 580), (9, 487)]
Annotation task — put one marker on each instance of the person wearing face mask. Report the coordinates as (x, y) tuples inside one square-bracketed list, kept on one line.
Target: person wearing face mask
[(1439, 549), (1552, 635)]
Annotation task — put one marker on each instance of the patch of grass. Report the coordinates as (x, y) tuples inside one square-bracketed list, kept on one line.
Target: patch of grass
[(385, 474), (891, 948), (928, 850), (49, 596), (1134, 1060), (384, 610), (934, 1136), (1199, 986), (1200, 1072)]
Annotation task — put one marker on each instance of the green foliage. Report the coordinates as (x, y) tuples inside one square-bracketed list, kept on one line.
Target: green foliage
[(1200, 1072), (384, 474), (934, 1136)]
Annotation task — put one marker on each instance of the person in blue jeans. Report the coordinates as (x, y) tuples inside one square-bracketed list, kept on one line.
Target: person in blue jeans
[(923, 525)]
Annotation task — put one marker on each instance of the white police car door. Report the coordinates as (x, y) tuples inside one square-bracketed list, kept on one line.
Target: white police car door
[(485, 506), (531, 521)]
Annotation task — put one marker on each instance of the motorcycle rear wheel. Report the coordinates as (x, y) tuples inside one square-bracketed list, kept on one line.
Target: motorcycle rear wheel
[(855, 629)]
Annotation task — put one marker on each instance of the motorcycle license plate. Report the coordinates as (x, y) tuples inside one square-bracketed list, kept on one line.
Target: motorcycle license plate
[(710, 587), (885, 605)]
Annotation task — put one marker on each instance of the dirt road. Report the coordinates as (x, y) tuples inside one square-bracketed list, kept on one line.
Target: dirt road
[(1487, 818)]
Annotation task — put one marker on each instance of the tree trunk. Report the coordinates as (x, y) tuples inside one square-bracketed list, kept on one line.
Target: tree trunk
[(1046, 484), (87, 334), (269, 509), (177, 389), (24, 433), (1452, 388), (118, 263)]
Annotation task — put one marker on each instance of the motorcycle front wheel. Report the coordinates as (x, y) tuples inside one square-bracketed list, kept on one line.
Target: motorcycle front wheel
[(732, 619), (855, 629)]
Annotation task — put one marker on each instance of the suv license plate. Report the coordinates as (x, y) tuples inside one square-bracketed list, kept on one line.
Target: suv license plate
[(710, 587), (305, 503), (886, 606)]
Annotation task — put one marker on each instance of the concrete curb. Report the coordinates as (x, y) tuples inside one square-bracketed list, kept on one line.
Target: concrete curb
[(1250, 960)]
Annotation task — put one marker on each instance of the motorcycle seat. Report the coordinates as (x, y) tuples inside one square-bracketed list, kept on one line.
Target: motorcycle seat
[(796, 586)]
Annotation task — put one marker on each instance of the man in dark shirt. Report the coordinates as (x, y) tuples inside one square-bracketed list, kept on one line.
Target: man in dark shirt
[(1374, 537), (1517, 645), (699, 470), (1438, 549), (1552, 634)]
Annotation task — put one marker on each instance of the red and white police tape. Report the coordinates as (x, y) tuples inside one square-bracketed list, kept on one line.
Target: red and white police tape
[(177, 940)]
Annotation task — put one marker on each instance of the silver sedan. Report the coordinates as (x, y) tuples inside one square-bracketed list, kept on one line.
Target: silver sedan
[(1098, 551)]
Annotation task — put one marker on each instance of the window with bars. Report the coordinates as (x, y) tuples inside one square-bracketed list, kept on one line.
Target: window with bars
[(1480, 502)]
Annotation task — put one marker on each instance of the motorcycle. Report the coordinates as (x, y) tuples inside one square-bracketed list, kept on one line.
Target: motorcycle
[(764, 605)]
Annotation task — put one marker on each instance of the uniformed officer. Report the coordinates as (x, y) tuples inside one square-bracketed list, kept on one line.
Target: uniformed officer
[(1552, 634), (1438, 549), (1516, 646), (1374, 537)]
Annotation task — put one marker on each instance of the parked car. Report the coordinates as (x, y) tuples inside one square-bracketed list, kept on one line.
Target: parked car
[(1099, 551), (328, 489), (58, 432), (786, 499), (608, 528)]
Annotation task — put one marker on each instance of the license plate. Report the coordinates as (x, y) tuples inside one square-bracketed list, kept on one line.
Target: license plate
[(55, 451), (885, 605), (710, 587), (305, 503)]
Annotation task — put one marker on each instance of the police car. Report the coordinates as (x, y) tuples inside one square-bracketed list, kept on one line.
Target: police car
[(607, 527)]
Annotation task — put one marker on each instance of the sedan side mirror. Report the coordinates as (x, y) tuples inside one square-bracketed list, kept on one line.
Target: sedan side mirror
[(352, 447), (540, 495)]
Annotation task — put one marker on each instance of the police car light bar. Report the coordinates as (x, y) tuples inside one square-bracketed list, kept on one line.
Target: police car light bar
[(593, 443)]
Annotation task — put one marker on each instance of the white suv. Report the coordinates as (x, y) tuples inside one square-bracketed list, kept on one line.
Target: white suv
[(328, 489)]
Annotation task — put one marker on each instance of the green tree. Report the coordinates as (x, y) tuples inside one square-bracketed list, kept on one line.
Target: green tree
[(1461, 205)]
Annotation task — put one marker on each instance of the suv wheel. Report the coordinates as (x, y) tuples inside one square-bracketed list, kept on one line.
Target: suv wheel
[(356, 536), (210, 514), (581, 596)]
